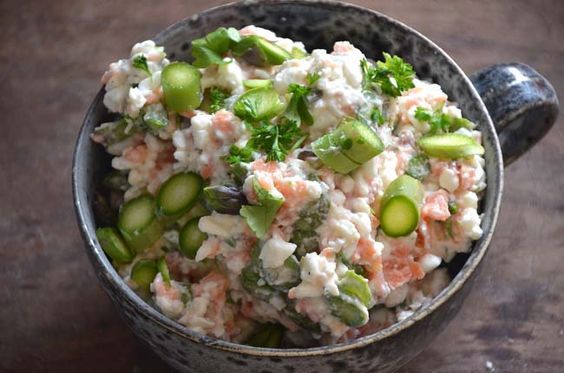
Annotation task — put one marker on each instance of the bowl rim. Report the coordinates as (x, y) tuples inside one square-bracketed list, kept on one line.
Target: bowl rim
[(110, 274)]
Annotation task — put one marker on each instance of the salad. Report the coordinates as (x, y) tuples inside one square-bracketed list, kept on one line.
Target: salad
[(275, 197)]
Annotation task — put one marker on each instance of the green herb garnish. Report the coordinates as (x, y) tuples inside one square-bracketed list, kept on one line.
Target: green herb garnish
[(140, 63), (441, 122), (376, 116), (276, 140), (217, 99), (258, 104), (392, 76), (259, 217)]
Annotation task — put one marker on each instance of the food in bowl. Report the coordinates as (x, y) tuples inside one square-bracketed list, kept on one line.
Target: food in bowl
[(270, 196)]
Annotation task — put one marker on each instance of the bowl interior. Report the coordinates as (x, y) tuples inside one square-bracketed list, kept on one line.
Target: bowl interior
[(318, 24)]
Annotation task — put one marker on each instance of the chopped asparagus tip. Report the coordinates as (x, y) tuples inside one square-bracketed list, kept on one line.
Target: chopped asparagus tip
[(224, 199)]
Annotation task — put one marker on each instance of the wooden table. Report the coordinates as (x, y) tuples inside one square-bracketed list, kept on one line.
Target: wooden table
[(55, 316)]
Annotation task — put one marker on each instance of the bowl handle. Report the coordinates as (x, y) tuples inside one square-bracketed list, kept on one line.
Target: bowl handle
[(521, 102)]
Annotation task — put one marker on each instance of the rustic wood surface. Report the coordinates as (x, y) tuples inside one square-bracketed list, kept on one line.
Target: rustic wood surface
[(55, 317)]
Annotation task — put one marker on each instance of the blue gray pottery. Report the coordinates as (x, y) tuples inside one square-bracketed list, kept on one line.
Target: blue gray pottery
[(522, 104)]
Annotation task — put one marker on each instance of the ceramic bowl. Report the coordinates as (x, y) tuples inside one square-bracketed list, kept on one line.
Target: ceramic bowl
[(521, 103)]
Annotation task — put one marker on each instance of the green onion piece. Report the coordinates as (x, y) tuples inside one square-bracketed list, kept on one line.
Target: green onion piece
[(260, 52), (163, 269), (350, 145), (450, 146), (356, 286), (179, 193), (181, 87), (257, 83), (113, 245), (138, 224), (191, 238), (258, 104), (269, 336), (143, 273), (400, 206)]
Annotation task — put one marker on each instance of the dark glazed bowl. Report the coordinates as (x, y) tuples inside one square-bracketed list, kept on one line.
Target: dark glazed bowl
[(522, 103)]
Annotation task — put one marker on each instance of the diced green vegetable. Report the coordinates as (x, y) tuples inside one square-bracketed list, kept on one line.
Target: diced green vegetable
[(418, 167), (348, 146), (143, 273), (210, 49), (400, 206), (357, 268), (258, 104), (260, 52), (285, 277), (251, 278), (356, 286), (298, 53), (155, 117), (138, 223), (259, 218), (268, 336), (225, 199), (116, 180), (114, 132), (310, 218), (113, 245), (257, 83), (450, 146), (181, 87), (301, 320), (452, 207), (163, 269), (348, 309), (191, 238), (179, 193)]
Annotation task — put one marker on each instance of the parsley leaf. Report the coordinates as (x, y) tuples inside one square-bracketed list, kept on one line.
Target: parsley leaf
[(237, 158), (140, 63), (392, 76), (260, 217), (441, 122), (276, 140), (297, 107), (376, 116), (217, 99), (312, 78), (258, 104)]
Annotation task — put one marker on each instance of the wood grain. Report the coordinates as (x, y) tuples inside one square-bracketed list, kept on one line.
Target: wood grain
[(53, 313)]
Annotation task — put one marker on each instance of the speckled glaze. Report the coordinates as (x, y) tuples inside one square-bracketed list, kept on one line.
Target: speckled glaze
[(319, 24)]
